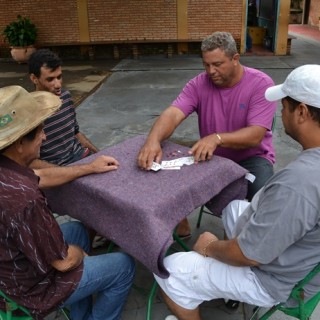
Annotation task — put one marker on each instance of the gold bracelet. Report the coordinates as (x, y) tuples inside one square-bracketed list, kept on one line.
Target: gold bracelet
[(206, 247), (219, 137)]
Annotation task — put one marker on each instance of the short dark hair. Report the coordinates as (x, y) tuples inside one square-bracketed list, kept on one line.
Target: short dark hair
[(314, 112), (43, 58), (32, 134)]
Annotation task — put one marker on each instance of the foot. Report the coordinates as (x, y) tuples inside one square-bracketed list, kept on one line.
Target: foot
[(184, 230), (100, 241), (232, 304)]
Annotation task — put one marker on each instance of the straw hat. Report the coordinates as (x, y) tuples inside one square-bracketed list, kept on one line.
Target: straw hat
[(21, 112)]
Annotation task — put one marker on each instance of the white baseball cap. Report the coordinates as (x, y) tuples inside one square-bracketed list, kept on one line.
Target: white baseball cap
[(302, 84)]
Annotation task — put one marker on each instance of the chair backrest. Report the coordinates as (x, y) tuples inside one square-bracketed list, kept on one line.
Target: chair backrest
[(274, 121), (297, 293), (304, 309), (11, 306), (304, 281)]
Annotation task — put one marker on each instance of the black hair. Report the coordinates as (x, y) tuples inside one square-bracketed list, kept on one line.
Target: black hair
[(43, 58), (314, 111), (32, 134), (29, 136)]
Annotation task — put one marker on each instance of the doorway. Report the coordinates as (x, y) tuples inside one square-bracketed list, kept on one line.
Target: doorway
[(261, 26), (306, 12)]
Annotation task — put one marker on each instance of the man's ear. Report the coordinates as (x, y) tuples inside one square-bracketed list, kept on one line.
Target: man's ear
[(303, 112), (18, 146), (236, 58), (34, 79)]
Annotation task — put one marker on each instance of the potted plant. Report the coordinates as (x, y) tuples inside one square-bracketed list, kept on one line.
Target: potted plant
[(21, 36)]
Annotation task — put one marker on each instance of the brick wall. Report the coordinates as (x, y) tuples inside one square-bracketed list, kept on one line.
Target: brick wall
[(132, 19), (206, 17), (116, 20)]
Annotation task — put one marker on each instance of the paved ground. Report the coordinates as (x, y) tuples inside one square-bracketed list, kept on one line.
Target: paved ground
[(120, 100)]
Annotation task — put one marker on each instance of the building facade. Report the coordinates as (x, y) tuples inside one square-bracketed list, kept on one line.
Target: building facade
[(122, 28)]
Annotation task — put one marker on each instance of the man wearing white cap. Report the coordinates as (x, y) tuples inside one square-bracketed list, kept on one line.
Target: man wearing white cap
[(274, 240), (44, 266)]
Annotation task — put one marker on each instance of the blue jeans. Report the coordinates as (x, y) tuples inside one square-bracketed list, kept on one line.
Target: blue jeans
[(262, 169), (108, 276)]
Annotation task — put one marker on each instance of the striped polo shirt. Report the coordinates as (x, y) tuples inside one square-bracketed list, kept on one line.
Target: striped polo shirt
[(61, 146)]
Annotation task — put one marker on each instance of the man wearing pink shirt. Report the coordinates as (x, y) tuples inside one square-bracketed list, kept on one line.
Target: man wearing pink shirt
[(234, 117)]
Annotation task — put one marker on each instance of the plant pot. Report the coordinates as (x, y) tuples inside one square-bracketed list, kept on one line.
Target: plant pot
[(22, 54)]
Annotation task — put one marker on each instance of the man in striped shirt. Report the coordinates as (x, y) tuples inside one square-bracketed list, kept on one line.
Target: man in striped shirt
[(65, 143)]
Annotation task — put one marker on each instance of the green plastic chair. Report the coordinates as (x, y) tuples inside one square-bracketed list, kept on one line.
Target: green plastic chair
[(304, 309), (152, 292), (12, 306), (154, 288)]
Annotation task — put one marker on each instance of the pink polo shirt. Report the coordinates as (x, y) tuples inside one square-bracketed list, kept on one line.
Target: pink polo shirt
[(230, 109)]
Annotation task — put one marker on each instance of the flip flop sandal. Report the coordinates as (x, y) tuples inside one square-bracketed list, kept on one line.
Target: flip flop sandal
[(184, 237), (232, 304)]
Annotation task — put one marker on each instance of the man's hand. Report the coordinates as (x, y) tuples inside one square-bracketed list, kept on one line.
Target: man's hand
[(204, 148), (73, 259), (151, 151), (203, 241), (104, 164), (161, 130)]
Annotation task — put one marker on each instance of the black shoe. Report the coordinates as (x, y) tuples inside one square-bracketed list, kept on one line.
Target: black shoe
[(232, 304)]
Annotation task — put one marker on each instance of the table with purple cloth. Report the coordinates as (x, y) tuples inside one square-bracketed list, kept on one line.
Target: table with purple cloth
[(137, 209)]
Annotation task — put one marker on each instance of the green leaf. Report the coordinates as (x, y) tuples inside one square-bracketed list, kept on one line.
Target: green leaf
[(21, 32)]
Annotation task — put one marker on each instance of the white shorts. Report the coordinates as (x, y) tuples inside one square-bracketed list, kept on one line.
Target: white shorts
[(194, 279)]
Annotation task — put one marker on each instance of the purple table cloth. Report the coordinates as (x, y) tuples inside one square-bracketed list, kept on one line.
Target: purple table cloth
[(138, 209)]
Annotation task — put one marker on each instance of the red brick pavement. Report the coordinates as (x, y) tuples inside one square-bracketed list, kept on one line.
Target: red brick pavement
[(304, 30)]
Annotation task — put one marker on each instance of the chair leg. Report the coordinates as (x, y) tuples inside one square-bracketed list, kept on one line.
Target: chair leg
[(65, 313), (150, 299), (180, 242), (269, 313), (255, 313), (155, 284), (110, 247), (202, 210), (200, 217)]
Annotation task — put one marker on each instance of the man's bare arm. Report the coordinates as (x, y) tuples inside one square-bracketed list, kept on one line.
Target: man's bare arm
[(41, 164), (86, 143), (227, 251), (162, 129), (57, 175)]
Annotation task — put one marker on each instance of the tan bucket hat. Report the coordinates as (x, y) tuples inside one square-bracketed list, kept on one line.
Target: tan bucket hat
[(21, 112)]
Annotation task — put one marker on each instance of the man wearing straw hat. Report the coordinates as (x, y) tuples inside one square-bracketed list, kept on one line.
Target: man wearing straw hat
[(44, 266)]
